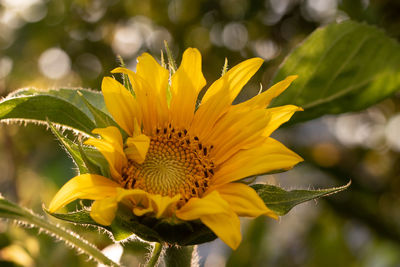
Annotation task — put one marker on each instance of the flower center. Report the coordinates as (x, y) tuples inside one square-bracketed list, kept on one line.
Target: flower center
[(175, 164)]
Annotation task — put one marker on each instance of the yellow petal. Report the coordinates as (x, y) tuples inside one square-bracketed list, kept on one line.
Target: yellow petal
[(157, 76), (150, 85), (85, 186), (221, 94), (226, 226), (262, 100), (279, 115), (111, 148), (210, 204), (111, 135), (187, 82), (216, 214), (143, 203), (270, 155), (236, 130), (244, 201), (137, 147), (103, 211), (208, 113), (120, 103), (164, 205), (236, 78)]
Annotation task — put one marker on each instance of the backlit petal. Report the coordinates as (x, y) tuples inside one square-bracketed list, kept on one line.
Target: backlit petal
[(226, 226), (262, 100), (244, 201), (279, 115), (235, 78), (111, 148), (164, 205), (216, 214), (150, 84), (137, 147), (221, 94), (85, 186), (187, 82), (120, 103), (157, 78), (270, 155), (103, 211)]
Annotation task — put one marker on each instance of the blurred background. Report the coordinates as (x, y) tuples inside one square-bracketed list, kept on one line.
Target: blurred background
[(47, 44)]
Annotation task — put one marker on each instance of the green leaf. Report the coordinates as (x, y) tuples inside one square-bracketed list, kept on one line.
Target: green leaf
[(70, 95), (87, 159), (14, 212), (282, 201), (101, 119), (342, 67), (40, 108), (70, 147), (91, 166), (95, 157)]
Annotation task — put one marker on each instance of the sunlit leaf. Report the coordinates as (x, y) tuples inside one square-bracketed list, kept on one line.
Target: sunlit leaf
[(40, 108), (102, 120), (341, 67), (282, 201), (70, 147), (70, 95)]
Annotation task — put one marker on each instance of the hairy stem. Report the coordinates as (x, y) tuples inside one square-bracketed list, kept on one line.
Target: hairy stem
[(155, 255), (176, 256)]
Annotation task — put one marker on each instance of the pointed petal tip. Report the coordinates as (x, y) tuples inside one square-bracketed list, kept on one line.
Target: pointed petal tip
[(292, 77), (257, 60), (52, 207), (118, 70)]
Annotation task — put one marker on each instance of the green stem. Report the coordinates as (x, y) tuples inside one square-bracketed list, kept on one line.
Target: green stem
[(14, 212), (176, 256), (155, 255)]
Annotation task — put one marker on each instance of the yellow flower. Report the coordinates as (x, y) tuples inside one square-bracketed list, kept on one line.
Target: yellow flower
[(180, 161)]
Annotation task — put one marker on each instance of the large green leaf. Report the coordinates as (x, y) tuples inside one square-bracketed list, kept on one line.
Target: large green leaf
[(40, 108), (64, 107), (70, 95), (341, 67), (282, 201)]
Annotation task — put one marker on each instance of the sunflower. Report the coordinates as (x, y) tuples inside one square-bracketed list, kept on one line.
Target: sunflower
[(181, 160)]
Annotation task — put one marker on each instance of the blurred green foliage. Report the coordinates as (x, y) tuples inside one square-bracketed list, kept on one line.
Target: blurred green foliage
[(75, 43)]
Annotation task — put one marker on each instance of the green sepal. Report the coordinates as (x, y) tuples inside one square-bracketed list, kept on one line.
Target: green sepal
[(125, 78), (171, 61), (70, 147), (101, 119), (87, 159), (150, 229), (281, 201), (95, 157), (90, 166)]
